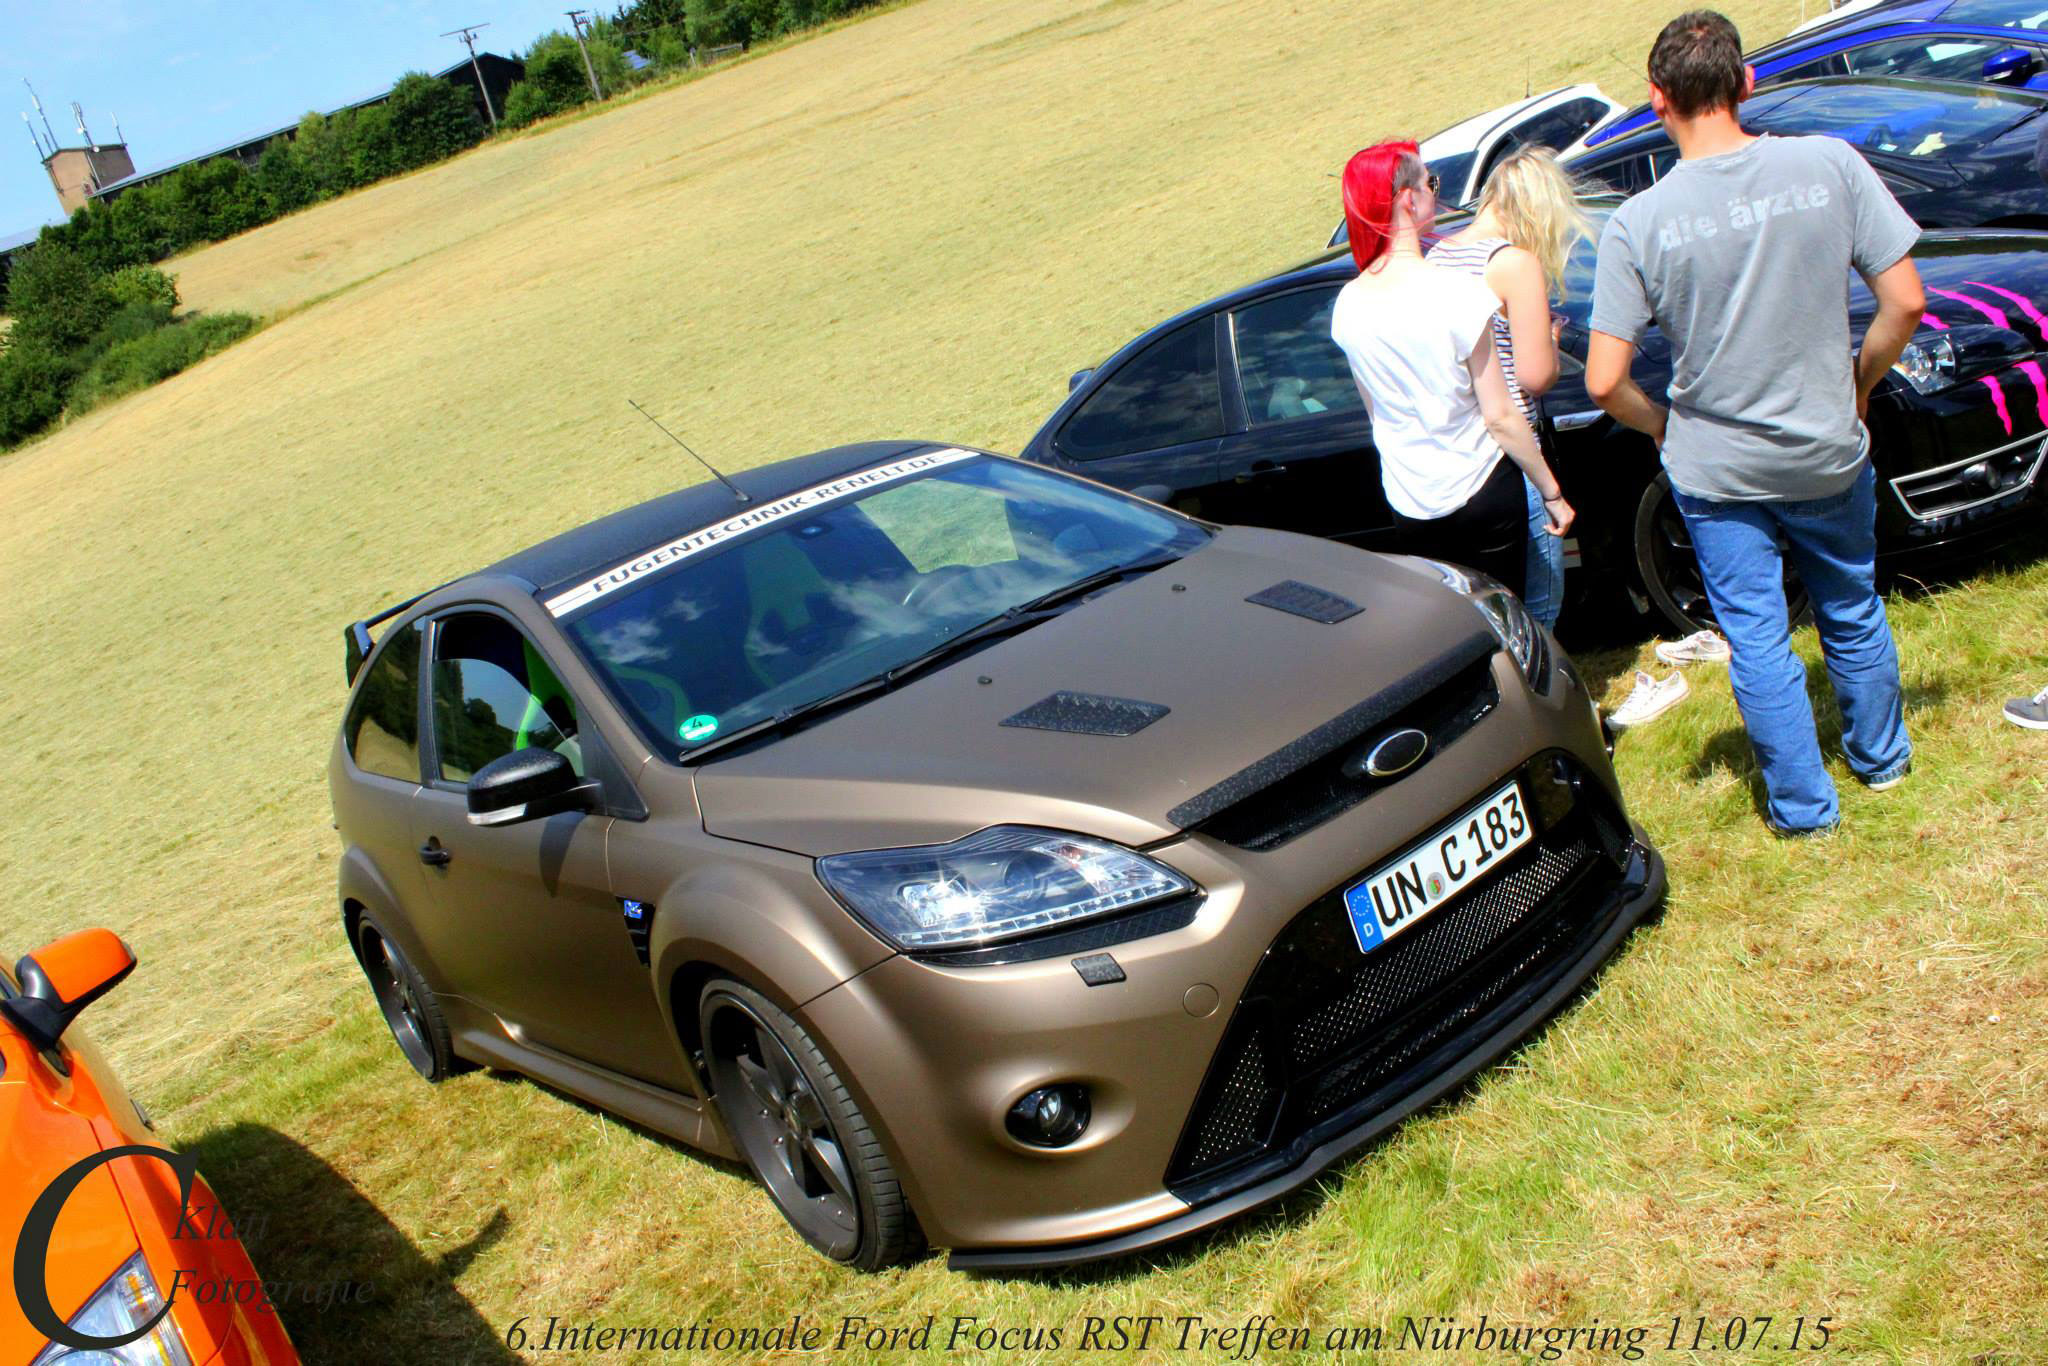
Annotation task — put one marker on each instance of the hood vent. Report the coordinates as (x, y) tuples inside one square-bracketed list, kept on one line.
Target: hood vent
[(1081, 713), (1306, 600)]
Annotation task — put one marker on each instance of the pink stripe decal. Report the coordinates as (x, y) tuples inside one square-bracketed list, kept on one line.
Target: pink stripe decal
[(1934, 322), (2020, 301), (1998, 319), (2032, 370), (1998, 401)]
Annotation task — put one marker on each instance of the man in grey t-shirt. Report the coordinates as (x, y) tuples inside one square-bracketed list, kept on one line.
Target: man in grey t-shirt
[(1741, 255)]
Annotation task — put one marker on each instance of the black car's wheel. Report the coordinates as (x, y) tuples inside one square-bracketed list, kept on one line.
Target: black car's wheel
[(409, 1005), (802, 1132), (1670, 569)]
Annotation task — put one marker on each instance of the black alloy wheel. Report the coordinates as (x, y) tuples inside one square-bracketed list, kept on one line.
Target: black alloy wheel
[(802, 1132), (408, 1004), (1670, 568)]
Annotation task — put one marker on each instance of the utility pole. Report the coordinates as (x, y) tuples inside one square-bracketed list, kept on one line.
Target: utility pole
[(468, 34), (576, 17)]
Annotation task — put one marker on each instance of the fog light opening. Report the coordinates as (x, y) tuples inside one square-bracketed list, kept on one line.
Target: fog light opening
[(1050, 1117)]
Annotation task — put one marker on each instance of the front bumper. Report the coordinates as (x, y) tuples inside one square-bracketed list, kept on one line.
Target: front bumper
[(936, 1053)]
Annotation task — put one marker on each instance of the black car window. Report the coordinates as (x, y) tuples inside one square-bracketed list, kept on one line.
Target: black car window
[(1890, 121), (383, 726), (1631, 174), (1289, 365), (494, 694), (1451, 172), (1830, 65), (1559, 128), (1946, 57), (1165, 395)]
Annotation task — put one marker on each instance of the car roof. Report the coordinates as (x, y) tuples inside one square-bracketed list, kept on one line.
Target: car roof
[(599, 545), (1623, 147)]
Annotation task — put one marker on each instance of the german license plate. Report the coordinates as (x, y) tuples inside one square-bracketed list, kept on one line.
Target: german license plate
[(1463, 853)]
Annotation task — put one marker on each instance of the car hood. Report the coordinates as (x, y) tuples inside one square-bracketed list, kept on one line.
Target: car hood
[(39, 1139), (935, 760)]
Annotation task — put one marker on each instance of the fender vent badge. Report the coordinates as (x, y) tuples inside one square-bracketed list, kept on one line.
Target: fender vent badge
[(639, 924)]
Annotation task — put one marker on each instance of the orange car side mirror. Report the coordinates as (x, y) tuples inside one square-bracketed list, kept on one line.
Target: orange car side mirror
[(61, 979)]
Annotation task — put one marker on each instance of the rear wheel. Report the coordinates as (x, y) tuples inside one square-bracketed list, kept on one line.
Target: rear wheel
[(802, 1132), (1670, 568), (409, 1006)]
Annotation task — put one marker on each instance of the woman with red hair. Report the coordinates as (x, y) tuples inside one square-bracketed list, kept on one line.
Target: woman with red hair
[(1453, 446)]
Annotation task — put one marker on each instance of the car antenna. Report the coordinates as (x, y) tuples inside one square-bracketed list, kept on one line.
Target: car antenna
[(731, 487)]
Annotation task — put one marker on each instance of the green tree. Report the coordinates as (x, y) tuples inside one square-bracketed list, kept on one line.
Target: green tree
[(142, 232), (322, 146), (57, 297), (33, 377), (430, 119), (283, 179), (714, 23), (144, 285), (524, 103)]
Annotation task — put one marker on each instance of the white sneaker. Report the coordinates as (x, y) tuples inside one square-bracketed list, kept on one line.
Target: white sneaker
[(1650, 699), (1701, 647)]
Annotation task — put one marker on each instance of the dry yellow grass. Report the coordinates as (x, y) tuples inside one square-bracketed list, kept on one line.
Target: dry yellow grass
[(1785, 1100)]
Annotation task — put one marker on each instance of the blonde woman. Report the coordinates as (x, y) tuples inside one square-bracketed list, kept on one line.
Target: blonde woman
[(1527, 223)]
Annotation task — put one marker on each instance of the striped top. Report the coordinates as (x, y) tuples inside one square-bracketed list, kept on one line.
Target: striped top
[(1471, 258)]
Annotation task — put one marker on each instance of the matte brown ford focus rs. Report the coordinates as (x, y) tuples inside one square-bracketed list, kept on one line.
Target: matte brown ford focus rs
[(981, 854)]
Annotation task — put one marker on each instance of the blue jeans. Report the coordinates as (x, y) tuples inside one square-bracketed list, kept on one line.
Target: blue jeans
[(1543, 585), (1833, 544)]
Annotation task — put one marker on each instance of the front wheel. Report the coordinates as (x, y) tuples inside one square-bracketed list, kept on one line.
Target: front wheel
[(802, 1132), (1670, 568)]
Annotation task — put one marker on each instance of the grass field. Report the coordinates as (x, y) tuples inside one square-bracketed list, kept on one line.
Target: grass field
[(1814, 1088)]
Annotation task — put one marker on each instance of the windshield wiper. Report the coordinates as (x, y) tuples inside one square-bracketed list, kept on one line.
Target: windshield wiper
[(1012, 619)]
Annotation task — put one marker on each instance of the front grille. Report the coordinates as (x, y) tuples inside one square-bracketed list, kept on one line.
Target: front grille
[(1323, 1029), (1322, 789), (1972, 482)]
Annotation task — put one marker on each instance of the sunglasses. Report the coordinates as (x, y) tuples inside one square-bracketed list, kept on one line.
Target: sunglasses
[(1430, 180)]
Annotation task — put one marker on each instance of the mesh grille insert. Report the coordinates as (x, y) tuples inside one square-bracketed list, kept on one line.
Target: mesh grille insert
[(1081, 713)]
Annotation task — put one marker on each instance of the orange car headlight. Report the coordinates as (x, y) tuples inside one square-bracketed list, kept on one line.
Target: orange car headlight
[(128, 1300)]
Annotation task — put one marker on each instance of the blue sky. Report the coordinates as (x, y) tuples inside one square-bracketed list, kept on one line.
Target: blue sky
[(187, 76)]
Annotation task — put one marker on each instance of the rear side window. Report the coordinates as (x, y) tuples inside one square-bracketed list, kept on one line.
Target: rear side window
[(1288, 363), (383, 725), (1166, 395), (494, 694)]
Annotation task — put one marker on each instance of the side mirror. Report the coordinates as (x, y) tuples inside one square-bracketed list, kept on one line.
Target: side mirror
[(356, 647), (59, 980), (2011, 66), (1078, 378), (526, 785)]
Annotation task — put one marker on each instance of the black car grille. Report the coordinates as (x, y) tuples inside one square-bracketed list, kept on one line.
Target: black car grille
[(1973, 482), (1325, 1033), (1322, 789)]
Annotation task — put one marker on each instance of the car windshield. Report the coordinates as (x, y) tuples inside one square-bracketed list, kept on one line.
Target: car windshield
[(1998, 13), (813, 604), (1892, 122)]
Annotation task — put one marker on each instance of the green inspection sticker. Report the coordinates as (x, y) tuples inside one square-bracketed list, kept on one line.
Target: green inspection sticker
[(702, 726)]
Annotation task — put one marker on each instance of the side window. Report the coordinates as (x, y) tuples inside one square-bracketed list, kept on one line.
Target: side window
[(494, 694), (383, 726), (1946, 58), (1825, 66), (1560, 127), (1165, 395), (1629, 175), (1288, 363)]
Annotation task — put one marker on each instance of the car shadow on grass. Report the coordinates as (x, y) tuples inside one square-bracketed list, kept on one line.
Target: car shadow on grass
[(344, 1278)]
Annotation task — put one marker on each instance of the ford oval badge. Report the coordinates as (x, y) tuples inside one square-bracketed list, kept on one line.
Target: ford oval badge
[(1395, 753)]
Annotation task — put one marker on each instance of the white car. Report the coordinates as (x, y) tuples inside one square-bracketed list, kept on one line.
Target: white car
[(1463, 154)]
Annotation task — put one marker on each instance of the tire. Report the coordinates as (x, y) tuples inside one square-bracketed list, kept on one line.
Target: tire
[(1670, 570), (411, 1010), (778, 1096)]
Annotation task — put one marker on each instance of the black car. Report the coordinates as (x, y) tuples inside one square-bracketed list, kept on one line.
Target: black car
[(1956, 154), (1243, 410)]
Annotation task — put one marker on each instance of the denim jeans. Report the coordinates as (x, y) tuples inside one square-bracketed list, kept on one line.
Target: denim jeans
[(1833, 545), (1543, 586)]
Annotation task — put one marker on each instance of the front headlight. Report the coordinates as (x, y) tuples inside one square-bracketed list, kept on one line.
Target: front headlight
[(1928, 363), (1512, 625), (996, 884), (126, 1302)]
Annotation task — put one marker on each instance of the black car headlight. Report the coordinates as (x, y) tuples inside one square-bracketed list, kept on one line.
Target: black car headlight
[(1928, 364), (996, 884), (1510, 621)]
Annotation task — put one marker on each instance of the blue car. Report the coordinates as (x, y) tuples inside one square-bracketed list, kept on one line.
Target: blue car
[(1991, 42), (1955, 155)]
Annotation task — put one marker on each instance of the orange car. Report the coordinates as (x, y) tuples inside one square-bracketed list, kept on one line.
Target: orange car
[(118, 1252)]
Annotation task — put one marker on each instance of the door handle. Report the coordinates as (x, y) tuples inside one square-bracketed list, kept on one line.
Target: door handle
[(1264, 469), (433, 855)]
